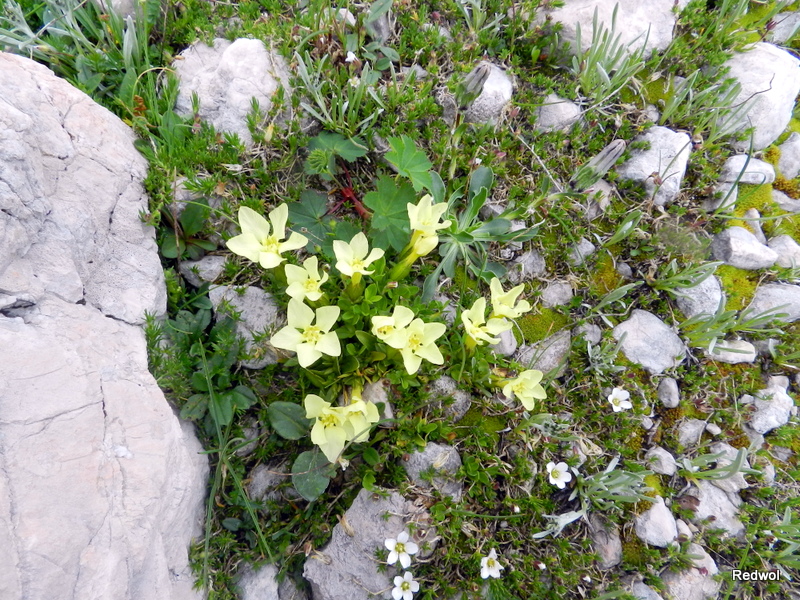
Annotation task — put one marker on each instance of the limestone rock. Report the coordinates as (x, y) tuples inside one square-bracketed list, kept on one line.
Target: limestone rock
[(661, 461), (788, 251), (767, 76), (696, 583), (690, 432), (556, 114), (507, 344), (346, 568), (259, 316), (548, 354), (740, 248), (70, 199), (705, 297), (773, 409), (791, 205), (789, 162), (753, 219), (261, 584), (733, 352), (497, 92), (656, 526), (667, 156), (606, 542), (782, 298), (747, 170), (101, 486), (556, 294), (445, 462), (650, 21), (650, 342), (641, 591), (668, 392), (226, 77), (205, 270), (445, 388), (786, 27), (525, 267), (736, 482), (580, 252), (717, 507)]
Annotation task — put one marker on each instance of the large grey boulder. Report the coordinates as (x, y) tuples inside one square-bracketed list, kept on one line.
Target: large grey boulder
[(768, 76), (101, 486), (738, 247), (650, 21), (780, 297), (649, 342), (705, 297), (493, 99), (557, 114), (789, 162), (666, 157), (226, 77), (716, 508), (656, 526), (745, 169), (346, 567), (696, 583)]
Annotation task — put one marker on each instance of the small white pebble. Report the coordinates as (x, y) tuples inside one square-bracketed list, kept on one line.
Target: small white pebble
[(713, 429)]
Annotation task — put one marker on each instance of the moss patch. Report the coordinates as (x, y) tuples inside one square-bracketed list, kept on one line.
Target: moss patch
[(605, 278), (533, 328), (739, 286)]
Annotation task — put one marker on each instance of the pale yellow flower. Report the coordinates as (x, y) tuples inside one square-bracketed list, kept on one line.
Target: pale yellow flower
[(308, 338), (261, 244), (355, 257), (424, 217), (305, 281), (526, 388), (392, 329), (329, 431), (473, 320), (361, 416), (504, 304), (420, 338)]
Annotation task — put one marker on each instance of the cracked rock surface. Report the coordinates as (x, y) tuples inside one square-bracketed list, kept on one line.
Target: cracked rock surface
[(101, 486)]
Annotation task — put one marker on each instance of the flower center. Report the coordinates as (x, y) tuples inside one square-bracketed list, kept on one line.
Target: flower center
[(357, 265), (405, 586), (414, 342), (385, 330), (400, 547), (556, 474), (311, 285), (270, 244), (311, 334), (328, 420), (491, 563)]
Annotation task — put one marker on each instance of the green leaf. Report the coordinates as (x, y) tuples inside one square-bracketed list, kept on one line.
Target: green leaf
[(232, 524), (369, 481), (371, 456), (377, 9), (199, 381), (221, 409), (172, 247), (309, 217), (349, 149), (437, 188), (194, 216), (242, 397), (195, 407), (288, 420), (390, 222), (311, 474), (482, 177), (410, 162)]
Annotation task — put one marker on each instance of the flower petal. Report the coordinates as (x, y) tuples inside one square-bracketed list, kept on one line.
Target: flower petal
[(307, 355), (253, 223), (329, 344), (287, 338), (246, 245), (326, 317), (278, 217), (299, 315), (315, 406)]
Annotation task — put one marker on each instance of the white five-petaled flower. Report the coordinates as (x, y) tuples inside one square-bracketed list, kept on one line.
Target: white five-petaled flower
[(490, 567), (330, 428), (351, 57), (504, 304), (559, 474), (619, 399), (420, 338), (308, 333), (305, 282), (405, 587), (355, 257), (392, 329), (261, 244), (401, 549)]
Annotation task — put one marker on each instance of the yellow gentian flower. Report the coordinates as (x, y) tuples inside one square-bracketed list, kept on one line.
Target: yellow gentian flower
[(424, 217), (308, 338), (392, 329), (329, 431), (305, 282), (420, 338), (473, 320), (504, 304), (526, 388), (261, 244), (355, 257)]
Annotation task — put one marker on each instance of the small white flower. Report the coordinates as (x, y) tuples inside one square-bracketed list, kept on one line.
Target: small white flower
[(405, 586), (619, 400), (559, 474), (490, 567), (351, 57), (401, 549)]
